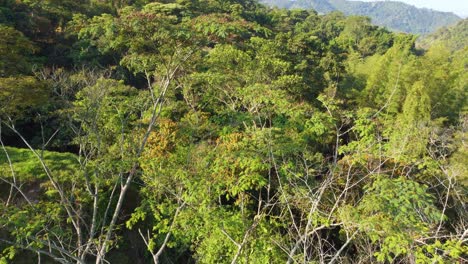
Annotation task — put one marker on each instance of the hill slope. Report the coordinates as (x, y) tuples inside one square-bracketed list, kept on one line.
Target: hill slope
[(454, 37), (394, 15)]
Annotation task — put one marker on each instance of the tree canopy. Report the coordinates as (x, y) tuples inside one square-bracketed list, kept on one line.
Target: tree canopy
[(217, 131)]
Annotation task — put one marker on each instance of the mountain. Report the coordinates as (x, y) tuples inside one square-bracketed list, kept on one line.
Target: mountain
[(454, 37), (394, 15)]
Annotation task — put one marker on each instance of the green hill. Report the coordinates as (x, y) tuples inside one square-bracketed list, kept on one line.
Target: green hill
[(454, 37), (394, 15)]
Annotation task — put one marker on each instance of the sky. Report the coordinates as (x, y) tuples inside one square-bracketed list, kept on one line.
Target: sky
[(459, 7)]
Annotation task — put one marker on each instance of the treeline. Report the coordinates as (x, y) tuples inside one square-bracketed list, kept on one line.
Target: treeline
[(217, 131)]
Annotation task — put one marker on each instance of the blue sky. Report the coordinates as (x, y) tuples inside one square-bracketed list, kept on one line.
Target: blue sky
[(459, 7)]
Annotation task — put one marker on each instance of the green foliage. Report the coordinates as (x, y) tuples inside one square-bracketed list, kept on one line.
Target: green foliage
[(227, 132), (412, 125), (15, 49), (27, 167), (106, 110), (441, 252), (26, 222), (393, 213), (22, 95)]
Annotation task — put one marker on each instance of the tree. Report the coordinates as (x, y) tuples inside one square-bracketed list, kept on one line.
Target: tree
[(22, 95), (15, 49), (412, 126)]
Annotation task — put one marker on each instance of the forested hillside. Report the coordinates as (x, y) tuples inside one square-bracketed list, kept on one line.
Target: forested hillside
[(394, 15), (454, 37), (223, 131)]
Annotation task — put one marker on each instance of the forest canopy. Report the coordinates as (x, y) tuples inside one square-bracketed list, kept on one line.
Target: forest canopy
[(225, 131)]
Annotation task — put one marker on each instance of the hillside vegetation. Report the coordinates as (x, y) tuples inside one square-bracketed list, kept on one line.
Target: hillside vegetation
[(217, 131), (454, 37), (394, 15)]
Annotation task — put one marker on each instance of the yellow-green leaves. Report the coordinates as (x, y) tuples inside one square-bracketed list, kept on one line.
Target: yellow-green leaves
[(22, 95), (393, 213), (15, 50)]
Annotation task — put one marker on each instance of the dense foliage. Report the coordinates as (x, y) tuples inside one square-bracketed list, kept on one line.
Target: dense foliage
[(214, 131), (394, 15)]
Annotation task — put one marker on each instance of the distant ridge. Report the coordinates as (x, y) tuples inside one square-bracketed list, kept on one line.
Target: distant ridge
[(454, 37), (394, 15)]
